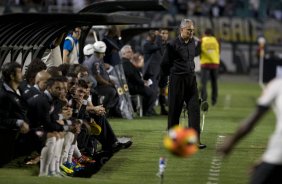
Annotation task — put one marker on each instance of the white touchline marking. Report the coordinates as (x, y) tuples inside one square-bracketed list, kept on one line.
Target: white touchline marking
[(227, 101), (216, 162)]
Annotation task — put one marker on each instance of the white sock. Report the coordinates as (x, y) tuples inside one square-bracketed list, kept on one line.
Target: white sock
[(66, 147), (42, 164), (70, 154), (46, 156), (54, 159), (76, 151), (59, 153)]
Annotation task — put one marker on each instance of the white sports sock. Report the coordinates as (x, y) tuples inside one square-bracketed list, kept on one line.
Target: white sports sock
[(46, 156), (42, 165), (76, 151), (66, 148), (55, 160), (70, 154), (59, 153)]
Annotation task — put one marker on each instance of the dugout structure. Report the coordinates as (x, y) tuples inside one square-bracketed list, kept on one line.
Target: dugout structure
[(25, 36)]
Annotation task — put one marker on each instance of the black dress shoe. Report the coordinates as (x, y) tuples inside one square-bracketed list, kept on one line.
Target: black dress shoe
[(164, 111), (148, 114), (126, 145), (120, 145), (202, 146)]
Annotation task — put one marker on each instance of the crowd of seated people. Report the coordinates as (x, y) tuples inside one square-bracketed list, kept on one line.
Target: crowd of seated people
[(55, 116)]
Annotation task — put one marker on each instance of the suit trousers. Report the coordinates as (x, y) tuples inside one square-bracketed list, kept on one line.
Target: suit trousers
[(183, 88)]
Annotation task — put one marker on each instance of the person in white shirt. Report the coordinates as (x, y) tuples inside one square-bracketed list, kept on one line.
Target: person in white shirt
[(270, 168)]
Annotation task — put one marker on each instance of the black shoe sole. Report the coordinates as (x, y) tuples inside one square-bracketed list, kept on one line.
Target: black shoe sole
[(202, 146)]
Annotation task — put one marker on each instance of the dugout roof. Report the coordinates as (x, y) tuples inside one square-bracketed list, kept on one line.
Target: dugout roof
[(34, 32)]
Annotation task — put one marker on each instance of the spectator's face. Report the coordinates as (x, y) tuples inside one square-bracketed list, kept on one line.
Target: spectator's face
[(42, 83), (57, 89), (80, 92), (151, 37), (128, 53), (77, 33), (138, 61), (164, 35), (82, 74), (100, 55), (18, 76), (72, 84), (64, 92), (187, 31)]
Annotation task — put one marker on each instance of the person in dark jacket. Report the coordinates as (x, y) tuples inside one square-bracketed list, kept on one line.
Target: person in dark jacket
[(107, 137), (29, 77), (114, 43), (105, 86), (178, 63), (163, 80), (152, 60), (13, 118), (43, 113), (33, 140), (39, 86), (152, 55), (135, 81)]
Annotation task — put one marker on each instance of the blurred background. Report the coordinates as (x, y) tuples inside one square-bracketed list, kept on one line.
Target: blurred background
[(236, 23)]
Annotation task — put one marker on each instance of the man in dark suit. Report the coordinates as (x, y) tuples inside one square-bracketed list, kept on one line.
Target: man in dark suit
[(178, 63), (12, 111), (136, 84)]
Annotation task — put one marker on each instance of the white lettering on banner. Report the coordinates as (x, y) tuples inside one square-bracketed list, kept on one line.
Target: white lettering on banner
[(242, 30), (237, 30)]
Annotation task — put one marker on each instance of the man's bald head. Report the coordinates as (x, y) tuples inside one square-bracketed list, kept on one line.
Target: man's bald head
[(41, 78)]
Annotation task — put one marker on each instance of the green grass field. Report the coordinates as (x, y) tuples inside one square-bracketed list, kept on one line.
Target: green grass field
[(139, 163)]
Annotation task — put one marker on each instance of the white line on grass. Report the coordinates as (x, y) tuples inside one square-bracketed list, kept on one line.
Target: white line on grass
[(216, 162), (227, 101)]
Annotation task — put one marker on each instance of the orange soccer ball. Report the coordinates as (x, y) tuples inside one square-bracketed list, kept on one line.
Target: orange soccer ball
[(181, 141)]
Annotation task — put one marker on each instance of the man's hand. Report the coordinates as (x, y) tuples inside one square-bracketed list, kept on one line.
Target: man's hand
[(78, 101), (107, 66), (67, 112), (98, 110), (24, 128)]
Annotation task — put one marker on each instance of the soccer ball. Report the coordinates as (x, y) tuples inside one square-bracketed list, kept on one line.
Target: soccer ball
[(181, 141)]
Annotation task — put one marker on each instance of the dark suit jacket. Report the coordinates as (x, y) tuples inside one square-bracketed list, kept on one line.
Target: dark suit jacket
[(12, 108), (133, 76), (42, 112), (30, 92)]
